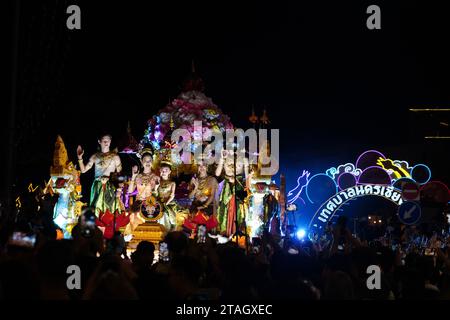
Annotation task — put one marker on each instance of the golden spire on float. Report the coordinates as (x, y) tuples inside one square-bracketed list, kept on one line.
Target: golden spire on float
[(264, 118), (60, 158), (253, 117), (128, 143)]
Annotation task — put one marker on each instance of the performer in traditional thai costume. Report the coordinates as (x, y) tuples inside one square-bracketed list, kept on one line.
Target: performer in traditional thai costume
[(62, 210), (103, 192), (232, 204), (166, 196), (272, 219), (68, 207), (203, 208), (64, 181), (145, 183)]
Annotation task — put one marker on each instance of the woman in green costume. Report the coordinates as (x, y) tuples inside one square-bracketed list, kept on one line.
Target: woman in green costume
[(106, 162), (232, 206)]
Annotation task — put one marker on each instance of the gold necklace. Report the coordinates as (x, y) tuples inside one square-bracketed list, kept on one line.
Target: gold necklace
[(165, 183), (103, 157), (202, 182), (146, 178)]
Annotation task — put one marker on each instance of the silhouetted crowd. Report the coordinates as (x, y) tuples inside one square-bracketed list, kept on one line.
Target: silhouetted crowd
[(331, 267), (210, 271)]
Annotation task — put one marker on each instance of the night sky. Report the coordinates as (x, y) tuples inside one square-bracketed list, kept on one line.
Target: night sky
[(333, 87)]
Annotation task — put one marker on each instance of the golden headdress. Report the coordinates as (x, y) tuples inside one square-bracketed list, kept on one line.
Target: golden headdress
[(166, 158), (143, 151)]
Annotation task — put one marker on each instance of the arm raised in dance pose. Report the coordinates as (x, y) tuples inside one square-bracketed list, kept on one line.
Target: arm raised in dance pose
[(89, 165)]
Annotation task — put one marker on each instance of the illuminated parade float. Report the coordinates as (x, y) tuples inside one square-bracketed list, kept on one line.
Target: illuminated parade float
[(163, 193)]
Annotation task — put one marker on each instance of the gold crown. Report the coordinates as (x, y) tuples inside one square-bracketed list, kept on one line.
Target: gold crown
[(165, 158), (166, 162), (143, 151)]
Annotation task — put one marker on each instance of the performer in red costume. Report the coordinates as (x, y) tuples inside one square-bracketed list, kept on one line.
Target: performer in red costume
[(203, 189)]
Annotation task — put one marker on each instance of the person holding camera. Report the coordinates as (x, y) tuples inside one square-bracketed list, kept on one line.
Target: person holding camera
[(87, 237)]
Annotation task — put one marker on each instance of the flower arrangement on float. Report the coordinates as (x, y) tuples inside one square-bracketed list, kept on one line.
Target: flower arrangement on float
[(181, 113)]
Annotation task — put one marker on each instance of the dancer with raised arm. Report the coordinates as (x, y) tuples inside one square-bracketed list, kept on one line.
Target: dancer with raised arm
[(107, 163), (233, 189), (203, 189)]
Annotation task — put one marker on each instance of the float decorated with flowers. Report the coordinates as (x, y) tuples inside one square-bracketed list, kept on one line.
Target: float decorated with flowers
[(189, 106)]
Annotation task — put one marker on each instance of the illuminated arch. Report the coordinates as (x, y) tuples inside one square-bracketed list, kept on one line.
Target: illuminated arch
[(329, 208)]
